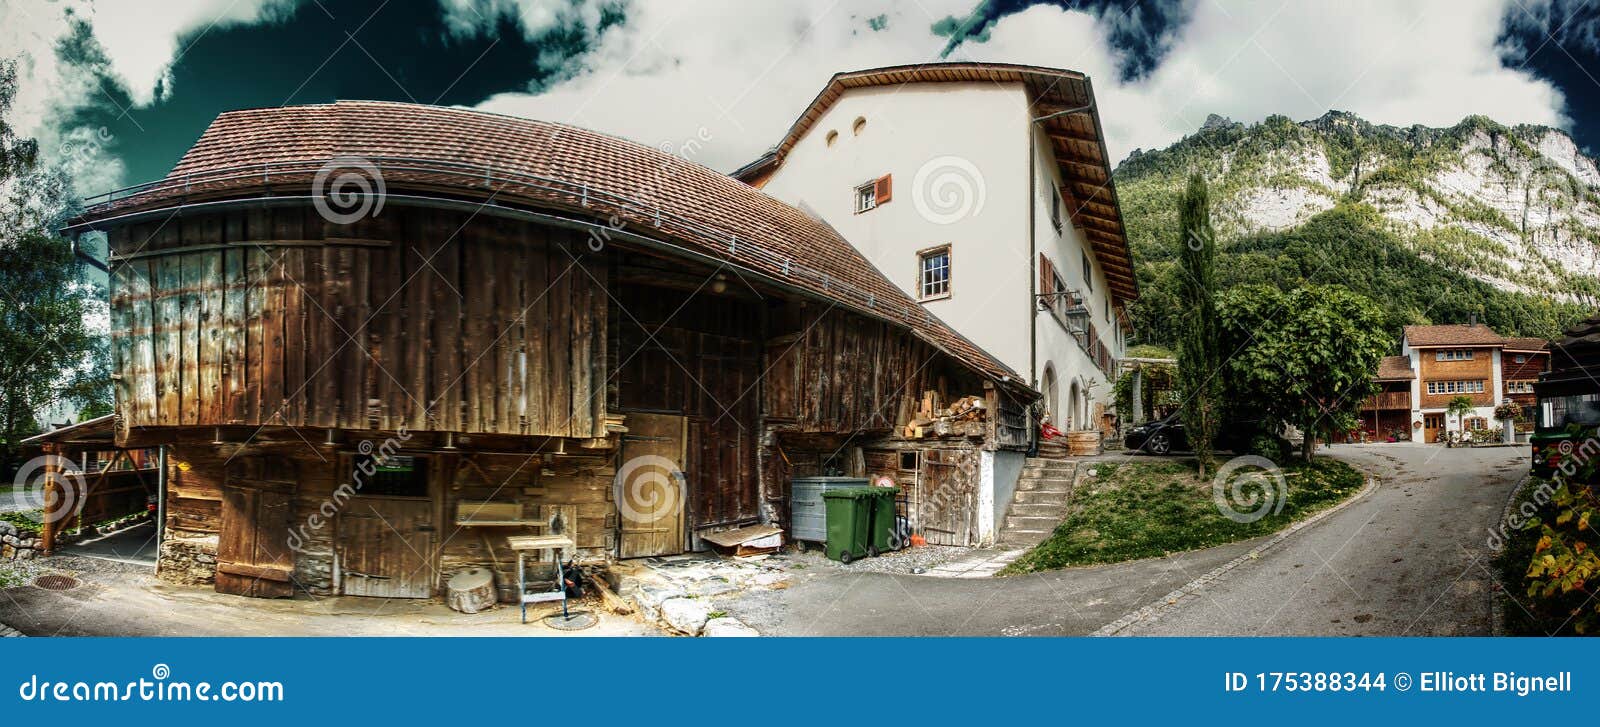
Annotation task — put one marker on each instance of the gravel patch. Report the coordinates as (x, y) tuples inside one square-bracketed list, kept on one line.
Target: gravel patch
[(906, 561)]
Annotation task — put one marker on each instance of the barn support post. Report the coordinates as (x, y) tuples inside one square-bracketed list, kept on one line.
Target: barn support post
[(47, 528), (161, 500)]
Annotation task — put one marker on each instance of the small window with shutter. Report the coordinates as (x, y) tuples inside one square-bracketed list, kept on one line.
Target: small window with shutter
[(876, 192), (1055, 210)]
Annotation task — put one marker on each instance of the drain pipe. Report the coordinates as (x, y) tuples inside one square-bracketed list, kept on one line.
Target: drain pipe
[(1033, 264)]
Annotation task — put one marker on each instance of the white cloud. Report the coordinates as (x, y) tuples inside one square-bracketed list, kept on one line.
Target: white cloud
[(744, 70), (140, 42), (741, 70), (471, 17), (143, 43)]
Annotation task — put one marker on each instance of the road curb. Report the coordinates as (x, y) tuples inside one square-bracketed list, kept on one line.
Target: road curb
[(1160, 606), (1498, 594)]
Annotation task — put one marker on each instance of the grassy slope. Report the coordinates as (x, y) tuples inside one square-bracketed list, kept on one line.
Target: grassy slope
[(1146, 509)]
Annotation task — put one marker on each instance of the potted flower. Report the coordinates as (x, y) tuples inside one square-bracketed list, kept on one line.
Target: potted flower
[(1508, 413)]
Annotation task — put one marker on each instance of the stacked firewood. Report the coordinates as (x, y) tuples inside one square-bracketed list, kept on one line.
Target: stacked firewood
[(934, 419)]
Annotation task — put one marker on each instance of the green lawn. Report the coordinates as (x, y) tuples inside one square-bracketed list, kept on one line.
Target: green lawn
[(1146, 509)]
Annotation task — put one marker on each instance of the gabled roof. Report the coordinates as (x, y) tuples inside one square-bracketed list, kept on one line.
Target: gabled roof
[(1460, 334), (460, 154), (1527, 344), (1395, 368), (1076, 139), (98, 429)]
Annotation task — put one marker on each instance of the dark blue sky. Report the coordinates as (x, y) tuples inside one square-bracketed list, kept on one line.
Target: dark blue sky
[(415, 58)]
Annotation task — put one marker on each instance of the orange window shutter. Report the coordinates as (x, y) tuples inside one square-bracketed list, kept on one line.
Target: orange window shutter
[(883, 188), (1047, 275)]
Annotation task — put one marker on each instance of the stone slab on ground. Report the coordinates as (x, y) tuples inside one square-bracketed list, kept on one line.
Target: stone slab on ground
[(686, 615), (727, 626)]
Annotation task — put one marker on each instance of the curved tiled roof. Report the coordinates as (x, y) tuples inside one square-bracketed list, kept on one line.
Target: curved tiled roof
[(540, 165)]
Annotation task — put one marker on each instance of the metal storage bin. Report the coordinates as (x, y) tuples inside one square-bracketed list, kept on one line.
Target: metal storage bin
[(808, 517)]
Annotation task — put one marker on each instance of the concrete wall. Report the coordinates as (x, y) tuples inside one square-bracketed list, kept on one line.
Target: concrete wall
[(999, 473)]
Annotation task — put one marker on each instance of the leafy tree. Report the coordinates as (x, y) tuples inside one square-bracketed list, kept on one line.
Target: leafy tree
[(1200, 373), (1304, 356), (47, 354), (1459, 407)]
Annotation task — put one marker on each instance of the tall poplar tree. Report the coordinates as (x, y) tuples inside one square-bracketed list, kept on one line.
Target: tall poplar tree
[(1200, 379)]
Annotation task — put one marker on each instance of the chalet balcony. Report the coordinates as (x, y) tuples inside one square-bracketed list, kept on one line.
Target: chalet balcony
[(1388, 400)]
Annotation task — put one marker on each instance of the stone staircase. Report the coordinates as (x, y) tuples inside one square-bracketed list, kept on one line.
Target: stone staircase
[(1040, 502)]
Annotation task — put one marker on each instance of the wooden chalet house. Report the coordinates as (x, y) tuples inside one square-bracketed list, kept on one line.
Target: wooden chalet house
[(376, 339), (1441, 362)]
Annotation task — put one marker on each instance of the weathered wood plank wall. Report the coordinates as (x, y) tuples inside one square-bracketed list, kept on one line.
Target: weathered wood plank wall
[(839, 372), (695, 353), (422, 319)]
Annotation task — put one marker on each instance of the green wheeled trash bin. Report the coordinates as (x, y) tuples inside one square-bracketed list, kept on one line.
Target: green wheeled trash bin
[(849, 515), (882, 539)]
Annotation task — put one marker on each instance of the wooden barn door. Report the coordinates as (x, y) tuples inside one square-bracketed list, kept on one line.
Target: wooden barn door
[(722, 474), (947, 497), (253, 554), (650, 499), (384, 546)]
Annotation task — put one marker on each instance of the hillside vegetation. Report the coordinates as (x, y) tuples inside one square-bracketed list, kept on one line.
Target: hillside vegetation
[(1436, 225)]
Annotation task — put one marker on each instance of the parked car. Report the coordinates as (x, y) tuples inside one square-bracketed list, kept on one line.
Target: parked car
[(1167, 435)]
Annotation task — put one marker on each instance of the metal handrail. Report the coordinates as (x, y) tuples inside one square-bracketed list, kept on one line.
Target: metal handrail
[(488, 177)]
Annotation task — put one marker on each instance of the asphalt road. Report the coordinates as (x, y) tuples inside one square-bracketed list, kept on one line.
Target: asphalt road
[(1410, 557)]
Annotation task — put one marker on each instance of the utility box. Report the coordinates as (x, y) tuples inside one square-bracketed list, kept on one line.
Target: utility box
[(808, 517)]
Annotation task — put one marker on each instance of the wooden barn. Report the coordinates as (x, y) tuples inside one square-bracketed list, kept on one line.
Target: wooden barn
[(377, 339)]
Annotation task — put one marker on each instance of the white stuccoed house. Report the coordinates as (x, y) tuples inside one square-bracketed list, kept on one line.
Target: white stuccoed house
[(984, 190)]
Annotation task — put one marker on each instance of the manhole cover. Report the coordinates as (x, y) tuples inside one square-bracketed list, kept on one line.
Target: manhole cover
[(578, 621), (55, 582)]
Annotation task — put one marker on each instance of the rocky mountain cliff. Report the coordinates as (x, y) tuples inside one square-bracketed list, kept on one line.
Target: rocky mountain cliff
[(1436, 224)]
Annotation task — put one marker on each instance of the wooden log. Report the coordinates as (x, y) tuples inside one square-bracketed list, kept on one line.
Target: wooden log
[(615, 603), (471, 590)]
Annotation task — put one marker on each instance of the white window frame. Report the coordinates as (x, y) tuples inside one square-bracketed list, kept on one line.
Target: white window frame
[(1453, 354), (866, 197), (923, 281), (1436, 388)]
